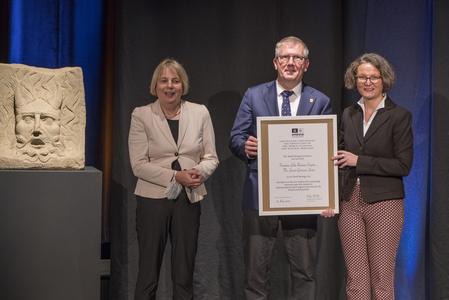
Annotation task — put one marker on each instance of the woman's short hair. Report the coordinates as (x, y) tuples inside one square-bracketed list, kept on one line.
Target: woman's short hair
[(177, 67), (291, 40), (384, 67)]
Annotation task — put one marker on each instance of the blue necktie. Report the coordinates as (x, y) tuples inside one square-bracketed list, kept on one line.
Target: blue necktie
[(285, 109)]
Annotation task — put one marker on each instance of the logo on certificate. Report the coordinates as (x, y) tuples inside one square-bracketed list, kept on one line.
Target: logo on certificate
[(297, 132)]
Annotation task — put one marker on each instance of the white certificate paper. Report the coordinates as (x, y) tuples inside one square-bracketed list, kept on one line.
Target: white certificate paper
[(296, 173)]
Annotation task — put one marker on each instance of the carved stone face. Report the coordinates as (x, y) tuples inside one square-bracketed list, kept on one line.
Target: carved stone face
[(42, 117), (38, 130)]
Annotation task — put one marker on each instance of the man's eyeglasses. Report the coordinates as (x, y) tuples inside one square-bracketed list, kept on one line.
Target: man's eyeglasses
[(364, 79), (283, 59)]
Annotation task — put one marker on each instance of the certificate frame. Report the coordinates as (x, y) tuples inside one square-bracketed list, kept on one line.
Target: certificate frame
[(312, 183)]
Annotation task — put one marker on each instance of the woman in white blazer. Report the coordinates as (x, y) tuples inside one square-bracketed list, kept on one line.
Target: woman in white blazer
[(172, 152)]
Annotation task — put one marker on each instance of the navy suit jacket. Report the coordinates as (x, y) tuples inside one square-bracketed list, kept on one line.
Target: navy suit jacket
[(261, 100)]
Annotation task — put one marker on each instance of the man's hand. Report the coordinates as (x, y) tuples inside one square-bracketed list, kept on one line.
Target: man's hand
[(251, 147)]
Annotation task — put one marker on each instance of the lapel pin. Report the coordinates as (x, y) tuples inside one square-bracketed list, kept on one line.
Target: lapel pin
[(311, 100)]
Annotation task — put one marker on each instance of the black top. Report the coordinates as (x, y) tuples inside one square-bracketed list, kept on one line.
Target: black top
[(174, 128)]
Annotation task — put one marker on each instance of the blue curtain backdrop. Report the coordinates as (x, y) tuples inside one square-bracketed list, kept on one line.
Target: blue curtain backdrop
[(61, 33)]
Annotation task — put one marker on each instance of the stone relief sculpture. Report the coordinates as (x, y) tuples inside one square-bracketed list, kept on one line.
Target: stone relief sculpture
[(42, 117)]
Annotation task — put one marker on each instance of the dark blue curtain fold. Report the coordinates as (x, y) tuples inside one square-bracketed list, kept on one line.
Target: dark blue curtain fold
[(60, 33)]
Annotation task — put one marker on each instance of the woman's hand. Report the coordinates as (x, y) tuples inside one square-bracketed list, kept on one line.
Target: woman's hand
[(345, 159), (189, 178), (328, 213)]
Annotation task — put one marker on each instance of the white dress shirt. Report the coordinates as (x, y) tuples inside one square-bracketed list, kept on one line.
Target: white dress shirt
[(294, 98), (367, 124)]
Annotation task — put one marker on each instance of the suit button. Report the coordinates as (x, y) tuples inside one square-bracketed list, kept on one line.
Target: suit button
[(176, 153)]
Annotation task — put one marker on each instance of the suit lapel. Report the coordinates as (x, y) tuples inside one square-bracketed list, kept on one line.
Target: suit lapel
[(162, 124), (357, 122), (270, 99), (380, 118), (183, 121), (307, 101)]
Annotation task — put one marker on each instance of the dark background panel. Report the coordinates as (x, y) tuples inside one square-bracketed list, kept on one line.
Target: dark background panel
[(225, 47), (438, 253), (50, 230)]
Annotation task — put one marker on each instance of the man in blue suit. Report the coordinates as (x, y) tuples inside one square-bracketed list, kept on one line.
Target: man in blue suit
[(287, 95)]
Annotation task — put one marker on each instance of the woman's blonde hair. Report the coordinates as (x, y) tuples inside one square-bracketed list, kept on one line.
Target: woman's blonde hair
[(177, 67)]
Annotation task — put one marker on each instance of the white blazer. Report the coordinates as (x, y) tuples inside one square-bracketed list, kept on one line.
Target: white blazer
[(152, 148)]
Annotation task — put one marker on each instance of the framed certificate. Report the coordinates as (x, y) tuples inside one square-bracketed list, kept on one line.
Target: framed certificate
[(296, 173)]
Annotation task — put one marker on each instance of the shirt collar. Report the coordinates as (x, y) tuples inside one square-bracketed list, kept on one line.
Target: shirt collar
[(381, 104), (296, 89)]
